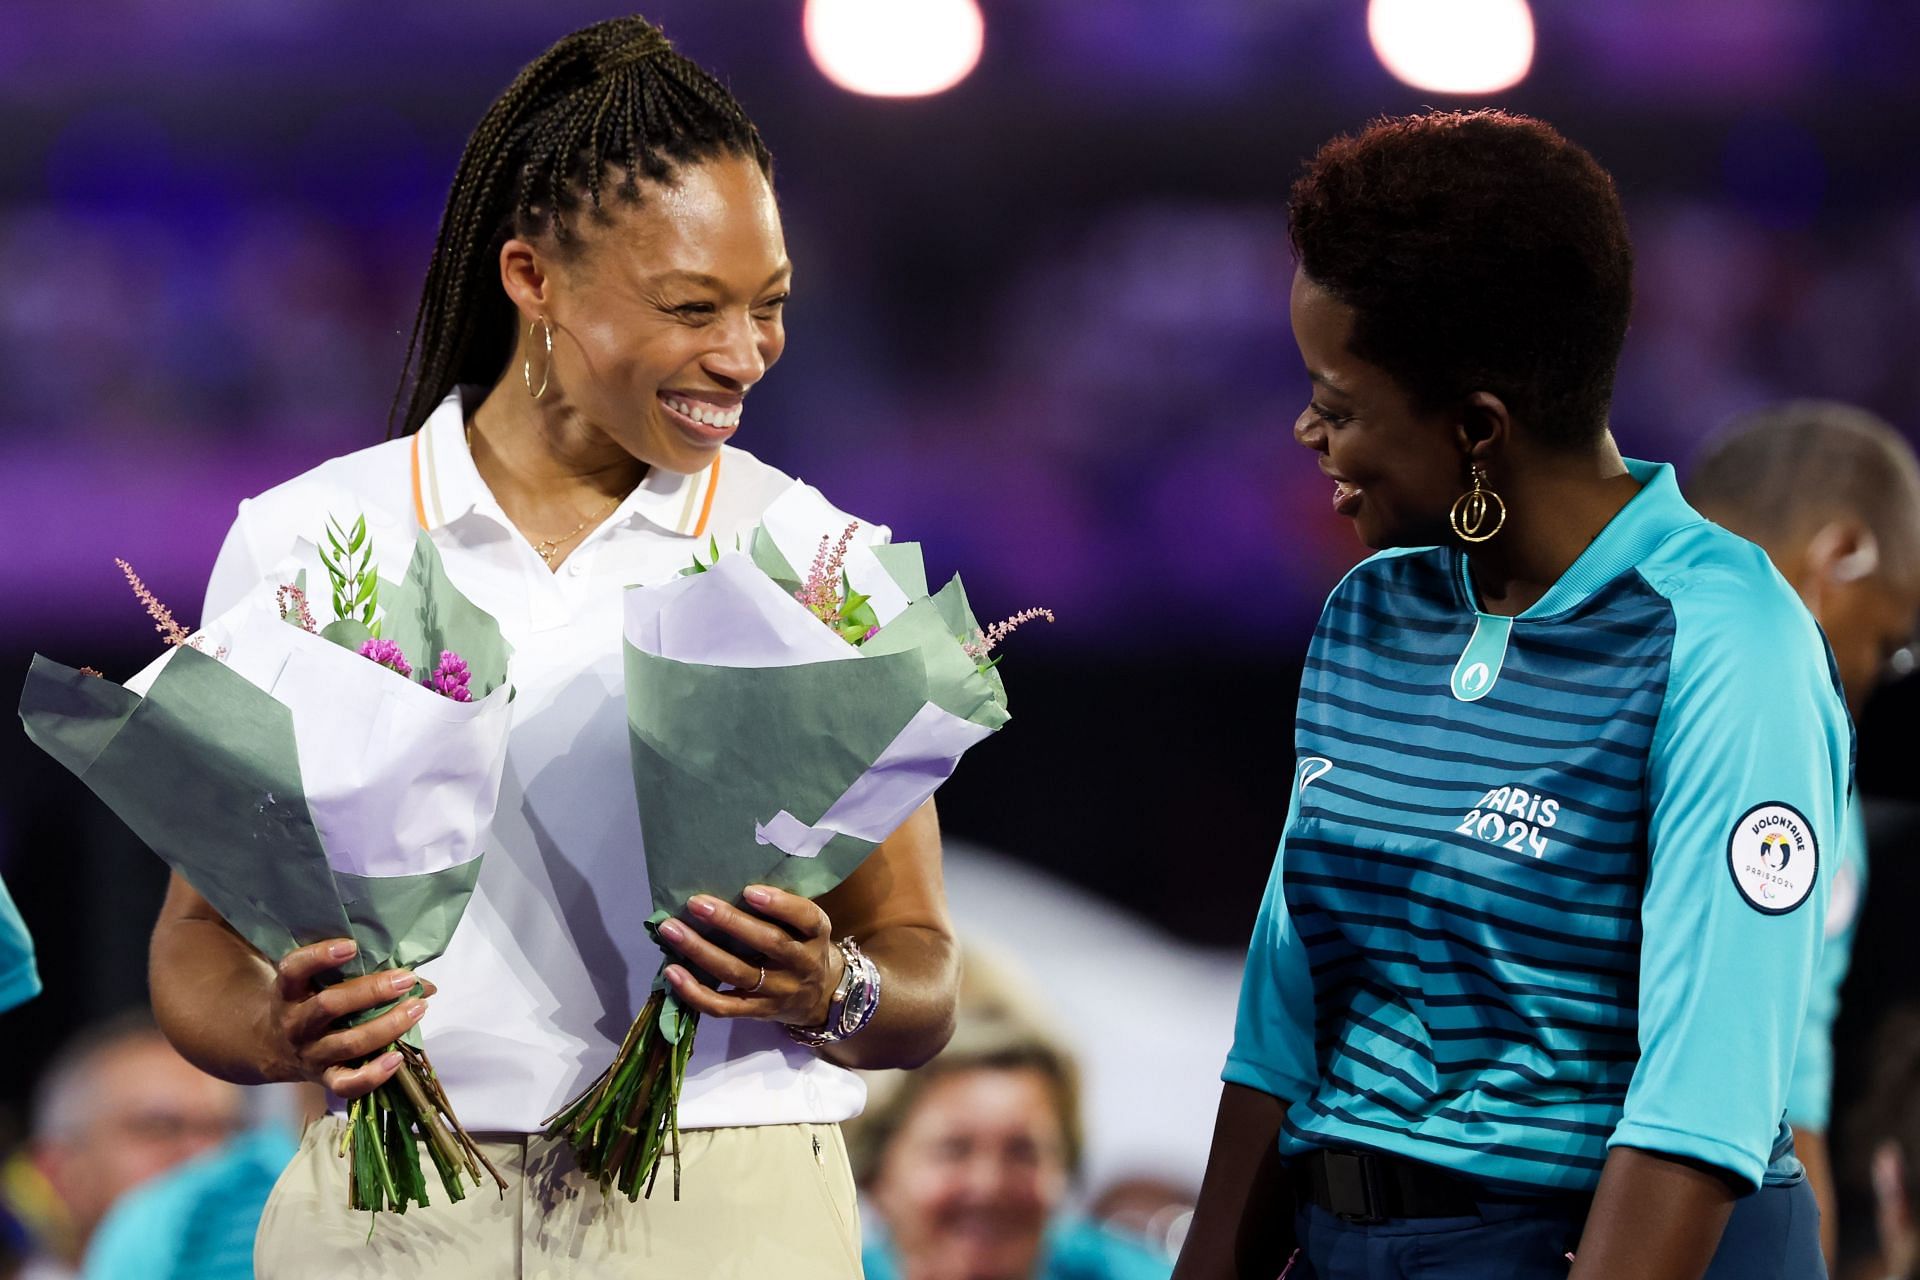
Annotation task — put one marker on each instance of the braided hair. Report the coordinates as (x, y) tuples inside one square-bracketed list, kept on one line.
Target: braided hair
[(613, 95)]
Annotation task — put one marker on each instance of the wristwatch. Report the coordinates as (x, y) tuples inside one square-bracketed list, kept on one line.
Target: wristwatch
[(853, 1003)]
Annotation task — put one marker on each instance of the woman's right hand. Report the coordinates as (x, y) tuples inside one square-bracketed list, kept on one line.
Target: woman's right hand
[(305, 1018)]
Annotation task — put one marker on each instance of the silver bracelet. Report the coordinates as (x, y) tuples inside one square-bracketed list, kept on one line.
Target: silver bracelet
[(854, 1001)]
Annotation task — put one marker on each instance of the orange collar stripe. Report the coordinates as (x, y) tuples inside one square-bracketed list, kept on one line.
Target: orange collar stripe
[(706, 508), (419, 507)]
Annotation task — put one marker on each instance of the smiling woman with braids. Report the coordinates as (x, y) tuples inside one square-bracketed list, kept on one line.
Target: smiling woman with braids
[(606, 290)]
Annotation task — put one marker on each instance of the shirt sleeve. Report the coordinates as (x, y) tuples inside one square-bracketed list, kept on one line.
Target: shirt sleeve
[(19, 978), (1751, 767), (1273, 1045), (1810, 1095)]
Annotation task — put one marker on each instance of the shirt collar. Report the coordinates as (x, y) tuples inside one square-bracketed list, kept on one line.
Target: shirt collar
[(448, 485), (1629, 538)]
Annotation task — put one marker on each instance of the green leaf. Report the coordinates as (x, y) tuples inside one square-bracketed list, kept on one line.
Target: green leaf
[(369, 589), (672, 1020), (359, 534), (348, 633)]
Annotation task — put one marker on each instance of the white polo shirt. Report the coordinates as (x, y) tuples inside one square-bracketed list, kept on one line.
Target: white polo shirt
[(551, 962)]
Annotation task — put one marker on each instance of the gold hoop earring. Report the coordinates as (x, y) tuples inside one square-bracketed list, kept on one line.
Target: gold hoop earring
[(526, 366), (1472, 510)]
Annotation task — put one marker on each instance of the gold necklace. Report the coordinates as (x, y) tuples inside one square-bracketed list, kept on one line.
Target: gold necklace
[(548, 548)]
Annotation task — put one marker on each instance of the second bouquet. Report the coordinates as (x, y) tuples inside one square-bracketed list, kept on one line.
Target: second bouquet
[(782, 724)]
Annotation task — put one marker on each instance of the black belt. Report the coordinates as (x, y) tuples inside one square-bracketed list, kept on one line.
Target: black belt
[(1371, 1187)]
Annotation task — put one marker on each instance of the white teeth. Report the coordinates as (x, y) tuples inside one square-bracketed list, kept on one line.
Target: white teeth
[(706, 414)]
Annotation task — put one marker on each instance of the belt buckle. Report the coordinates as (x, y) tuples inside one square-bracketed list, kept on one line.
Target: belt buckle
[(1353, 1188)]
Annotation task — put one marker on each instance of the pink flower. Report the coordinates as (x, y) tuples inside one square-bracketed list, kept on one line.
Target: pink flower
[(451, 677), (821, 591), (993, 635), (388, 655), (292, 602), (163, 619)]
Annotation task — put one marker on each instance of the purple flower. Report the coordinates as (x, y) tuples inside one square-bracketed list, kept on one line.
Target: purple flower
[(450, 678), (388, 655)]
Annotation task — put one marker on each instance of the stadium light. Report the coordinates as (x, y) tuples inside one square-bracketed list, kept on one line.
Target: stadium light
[(1453, 46), (895, 48)]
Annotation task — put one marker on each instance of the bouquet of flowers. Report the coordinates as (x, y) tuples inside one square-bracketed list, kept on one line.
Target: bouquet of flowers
[(781, 726), (311, 786)]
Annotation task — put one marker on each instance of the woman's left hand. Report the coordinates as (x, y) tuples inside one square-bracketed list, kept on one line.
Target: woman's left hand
[(790, 935)]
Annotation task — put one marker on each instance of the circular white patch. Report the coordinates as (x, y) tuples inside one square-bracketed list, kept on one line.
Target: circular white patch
[(1774, 858)]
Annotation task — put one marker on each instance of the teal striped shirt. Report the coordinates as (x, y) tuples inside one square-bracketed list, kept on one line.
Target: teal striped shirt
[(1553, 883)]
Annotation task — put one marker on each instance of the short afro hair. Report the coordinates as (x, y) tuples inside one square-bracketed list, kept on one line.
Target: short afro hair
[(1480, 251)]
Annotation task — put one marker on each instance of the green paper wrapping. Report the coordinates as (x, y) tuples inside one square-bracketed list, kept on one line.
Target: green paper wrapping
[(205, 768)]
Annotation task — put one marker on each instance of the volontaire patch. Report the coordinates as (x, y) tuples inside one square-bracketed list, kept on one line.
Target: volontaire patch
[(1774, 857)]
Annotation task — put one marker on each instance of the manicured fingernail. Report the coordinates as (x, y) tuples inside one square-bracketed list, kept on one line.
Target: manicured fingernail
[(759, 897), (417, 1012), (673, 932), (676, 975), (704, 906), (341, 951), (403, 981), (389, 1061)]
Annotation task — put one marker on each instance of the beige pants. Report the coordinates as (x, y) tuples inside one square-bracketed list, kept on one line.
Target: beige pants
[(771, 1200)]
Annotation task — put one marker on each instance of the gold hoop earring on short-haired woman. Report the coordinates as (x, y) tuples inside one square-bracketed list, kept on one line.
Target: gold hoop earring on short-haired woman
[(1474, 508)]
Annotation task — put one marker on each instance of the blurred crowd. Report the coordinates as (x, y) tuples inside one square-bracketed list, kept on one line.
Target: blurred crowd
[(133, 1163), (162, 352)]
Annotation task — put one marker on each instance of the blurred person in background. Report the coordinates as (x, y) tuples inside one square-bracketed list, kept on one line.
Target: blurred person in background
[(1884, 1124), (197, 1221), (967, 1162), (1832, 494), (114, 1108), (1535, 952)]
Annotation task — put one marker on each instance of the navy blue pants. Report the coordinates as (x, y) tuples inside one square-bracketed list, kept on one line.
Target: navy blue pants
[(1774, 1234)]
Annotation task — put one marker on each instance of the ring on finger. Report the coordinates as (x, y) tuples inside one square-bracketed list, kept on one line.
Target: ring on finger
[(759, 982)]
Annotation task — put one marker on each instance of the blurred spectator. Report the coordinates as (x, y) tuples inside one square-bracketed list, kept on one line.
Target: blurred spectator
[(966, 1164), (1147, 1206), (1886, 1123), (114, 1107), (1832, 494), (196, 1222)]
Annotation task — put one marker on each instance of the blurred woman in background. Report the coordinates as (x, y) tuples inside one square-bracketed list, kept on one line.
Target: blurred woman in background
[(967, 1164)]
